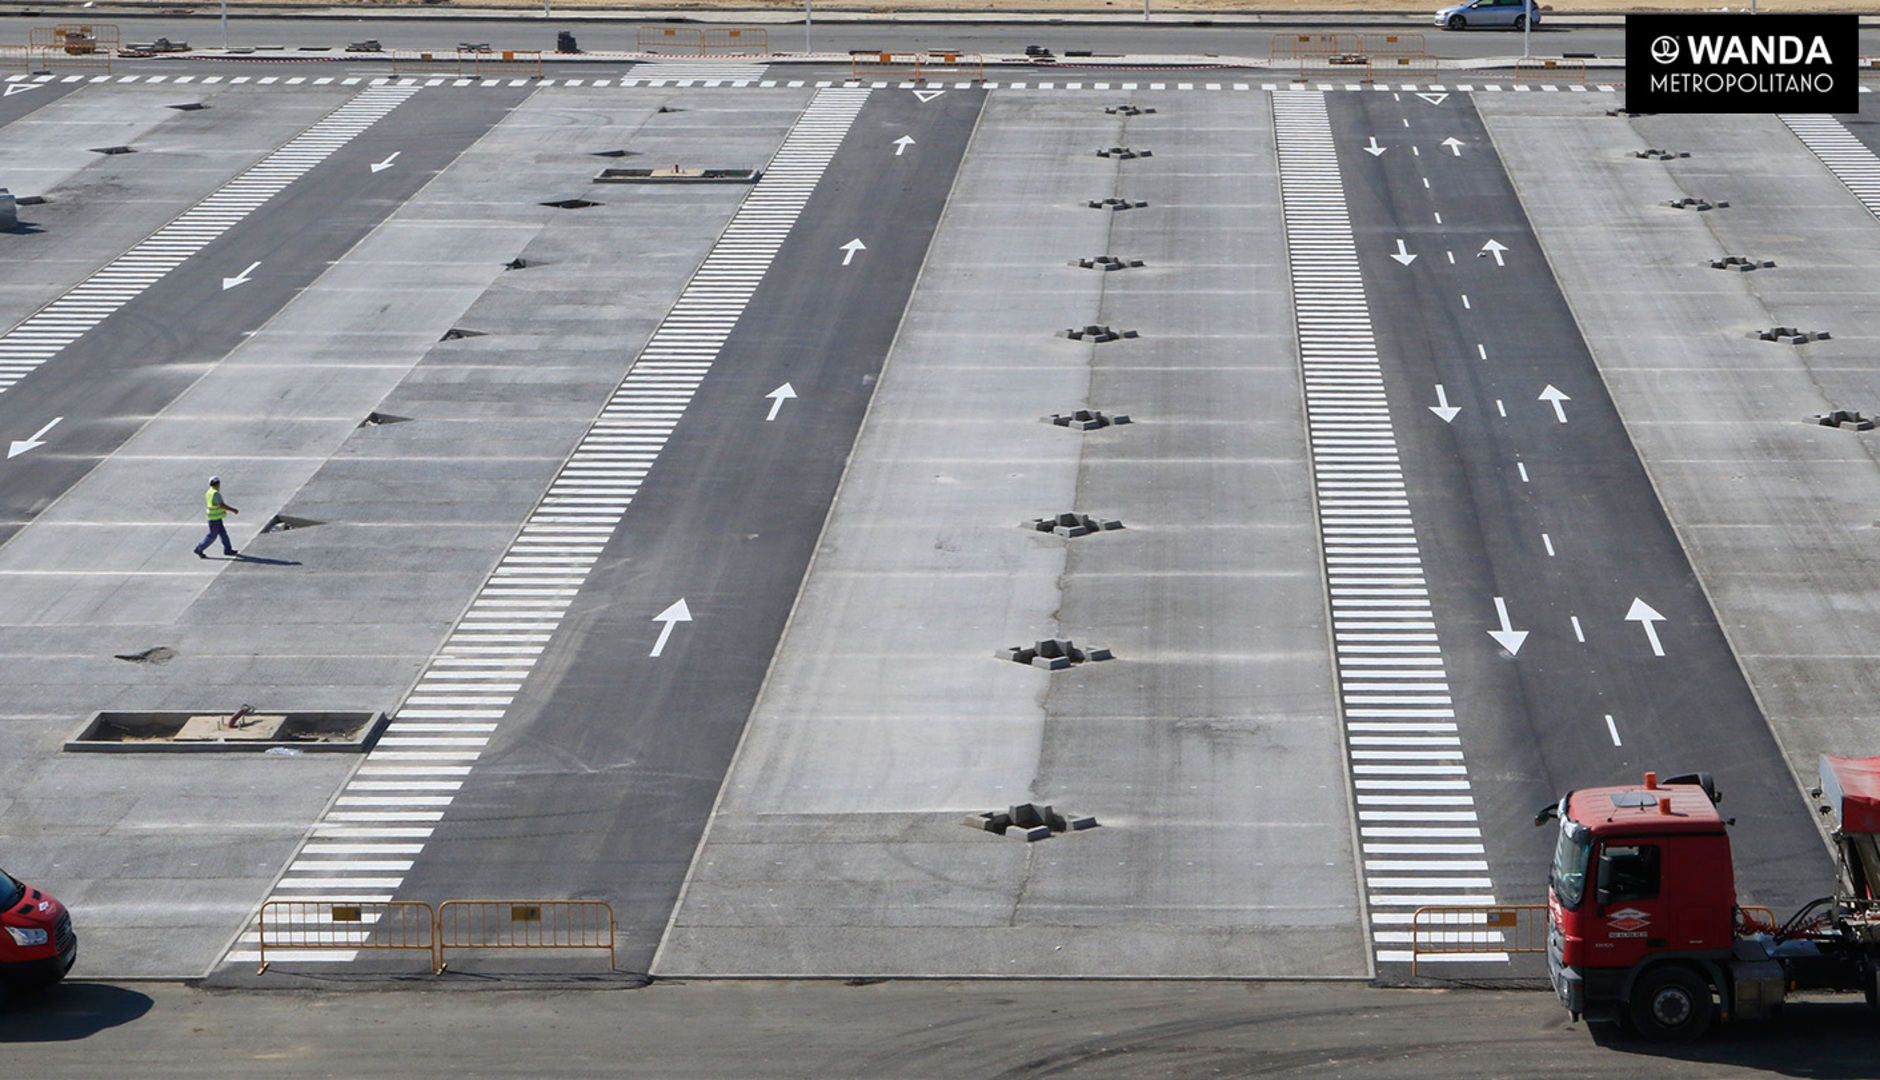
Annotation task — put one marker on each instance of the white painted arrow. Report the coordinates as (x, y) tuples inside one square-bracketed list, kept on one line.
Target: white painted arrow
[(1375, 150), (1442, 407), (381, 166), (777, 398), (1643, 614), (1403, 256), (849, 249), (673, 615), (1555, 397), (928, 95), (901, 144), (1494, 248), (20, 446), (1507, 637), (19, 88), (239, 279), (1454, 144)]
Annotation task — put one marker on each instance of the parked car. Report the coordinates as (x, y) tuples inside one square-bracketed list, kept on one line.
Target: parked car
[(1515, 13), (37, 945)]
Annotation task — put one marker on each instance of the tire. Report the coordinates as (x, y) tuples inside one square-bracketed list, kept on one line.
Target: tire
[(1672, 1004), (1520, 22), (1457, 22)]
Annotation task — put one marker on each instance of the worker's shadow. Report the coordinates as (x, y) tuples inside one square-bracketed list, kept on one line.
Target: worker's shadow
[(68, 1012), (1833, 1037), (259, 561)]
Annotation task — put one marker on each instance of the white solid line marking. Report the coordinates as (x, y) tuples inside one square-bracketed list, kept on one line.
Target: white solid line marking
[(1614, 729)]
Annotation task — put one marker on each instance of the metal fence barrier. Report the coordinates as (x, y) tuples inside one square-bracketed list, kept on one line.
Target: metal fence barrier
[(428, 62), (703, 41), (524, 924), (1332, 69), (1376, 45), (1293, 46), (1486, 932), (76, 39), (319, 924), (16, 56), (1536, 67), (1419, 68), (917, 67), (508, 62)]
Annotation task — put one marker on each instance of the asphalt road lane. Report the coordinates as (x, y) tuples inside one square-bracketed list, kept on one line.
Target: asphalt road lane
[(601, 783), (127, 368), (1545, 505)]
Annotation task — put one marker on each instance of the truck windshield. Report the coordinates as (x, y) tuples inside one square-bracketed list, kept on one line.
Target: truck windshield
[(10, 890), (1570, 857)]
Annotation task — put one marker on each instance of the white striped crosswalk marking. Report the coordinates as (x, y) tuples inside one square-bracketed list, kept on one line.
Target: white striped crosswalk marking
[(1410, 781), (361, 848), (1845, 156), (47, 332)]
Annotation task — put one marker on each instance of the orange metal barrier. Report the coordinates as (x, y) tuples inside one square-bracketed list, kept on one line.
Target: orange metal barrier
[(703, 41), (1332, 69), (428, 62), (524, 924), (1376, 45), (508, 62), (1550, 69), (16, 56), (76, 39), (1421, 68), (1486, 932), (916, 66), (323, 924), (1293, 46)]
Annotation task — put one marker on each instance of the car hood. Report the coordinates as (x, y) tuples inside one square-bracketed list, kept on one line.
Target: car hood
[(36, 910)]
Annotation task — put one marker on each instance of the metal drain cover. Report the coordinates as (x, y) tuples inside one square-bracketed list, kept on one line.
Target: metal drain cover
[(1688, 203), (1655, 154), (1096, 333), (1029, 821), (1118, 204), (1843, 419), (1789, 335), (1070, 525), (1053, 654), (1123, 153), (1086, 419), (1106, 262), (1738, 262)]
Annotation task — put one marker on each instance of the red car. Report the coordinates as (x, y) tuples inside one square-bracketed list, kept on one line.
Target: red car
[(37, 943)]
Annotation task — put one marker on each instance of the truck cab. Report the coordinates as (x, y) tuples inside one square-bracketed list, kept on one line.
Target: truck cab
[(37, 943)]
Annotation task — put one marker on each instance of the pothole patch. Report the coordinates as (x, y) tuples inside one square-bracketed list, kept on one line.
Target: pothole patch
[(1053, 654), (1789, 335), (1106, 262), (1690, 203), (1086, 419), (1096, 333), (1118, 204), (1655, 154), (1126, 109), (1739, 262), (1123, 153), (1843, 419), (1030, 821), (1071, 524), (161, 654)]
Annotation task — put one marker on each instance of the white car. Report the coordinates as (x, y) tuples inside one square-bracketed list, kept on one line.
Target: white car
[(1515, 13)]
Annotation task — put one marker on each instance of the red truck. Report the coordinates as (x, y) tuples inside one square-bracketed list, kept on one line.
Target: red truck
[(1644, 925), (37, 943)]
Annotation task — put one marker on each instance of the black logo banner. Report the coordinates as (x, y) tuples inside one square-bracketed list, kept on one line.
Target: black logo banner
[(1703, 63)]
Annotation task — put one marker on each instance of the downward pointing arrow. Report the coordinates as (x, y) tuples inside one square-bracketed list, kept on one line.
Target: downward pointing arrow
[(777, 398), (20, 446), (1643, 614), (668, 618), (849, 249), (902, 143), (1495, 249), (381, 166), (1507, 637), (1375, 150), (1554, 398), (1454, 144), (1403, 256), (1442, 407), (241, 278)]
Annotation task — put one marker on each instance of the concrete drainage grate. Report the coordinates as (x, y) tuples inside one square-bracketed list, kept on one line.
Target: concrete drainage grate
[(1071, 525), (162, 654), (380, 419), (1738, 262), (1096, 333), (1655, 154), (1843, 419), (112, 150), (570, 204), (1123, 153), (1789, 335), (1688, 203), (1106, 262), (1086, 419), (288, 523), (1029, 822), (458, 333), (678, 175), (1118, 204), (1125, 109), (1053, 654)]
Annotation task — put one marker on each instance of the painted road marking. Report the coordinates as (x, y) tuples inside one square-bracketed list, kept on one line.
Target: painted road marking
[(1845, 156), (1408, 773), (469, 685)]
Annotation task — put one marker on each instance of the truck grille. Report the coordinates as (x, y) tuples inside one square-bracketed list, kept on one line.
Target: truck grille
[(62, 934)]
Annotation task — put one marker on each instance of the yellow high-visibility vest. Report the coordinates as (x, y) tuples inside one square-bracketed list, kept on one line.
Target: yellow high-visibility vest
[(216, 510)]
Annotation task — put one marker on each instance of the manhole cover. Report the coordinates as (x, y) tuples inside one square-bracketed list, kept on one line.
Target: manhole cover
[(1030, 821), (1738, 262), (1118, 204), (1053, 654), (1096, 333), (1688, 203), (1086, 419), (1843, 419), (1123, 153), (1789, 335), (1071, 524), (1106, 262)]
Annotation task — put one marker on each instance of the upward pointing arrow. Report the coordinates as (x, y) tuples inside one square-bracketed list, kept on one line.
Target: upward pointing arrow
[(1403, 256), (1454, 144), (1494, 248), (1375, 150), (20, 446), (1507, 637), (849, 249), (1554, 398), (901, 144), (667, 619), (1643, 614), (777, 398)]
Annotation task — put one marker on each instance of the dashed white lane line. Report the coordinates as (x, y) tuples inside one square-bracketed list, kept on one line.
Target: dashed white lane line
[(1845, 156), (1408, 774), (46, 333), (411, 776)]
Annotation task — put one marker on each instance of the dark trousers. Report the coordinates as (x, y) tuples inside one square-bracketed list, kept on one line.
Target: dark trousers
[(217, 529)]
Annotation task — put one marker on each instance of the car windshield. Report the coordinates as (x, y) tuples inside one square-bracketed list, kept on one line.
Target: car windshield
[(10, 890), (1570, 858)]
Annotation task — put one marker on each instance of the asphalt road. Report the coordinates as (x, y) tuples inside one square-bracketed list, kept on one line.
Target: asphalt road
[(1543, 503)]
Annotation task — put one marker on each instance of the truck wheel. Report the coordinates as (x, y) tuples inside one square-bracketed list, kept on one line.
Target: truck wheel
[(1672, 1005)]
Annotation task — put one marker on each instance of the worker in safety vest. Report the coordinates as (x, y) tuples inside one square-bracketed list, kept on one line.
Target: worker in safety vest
[(217, 510)]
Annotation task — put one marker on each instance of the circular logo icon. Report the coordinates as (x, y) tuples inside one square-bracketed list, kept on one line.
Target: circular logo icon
[(1665, 49)]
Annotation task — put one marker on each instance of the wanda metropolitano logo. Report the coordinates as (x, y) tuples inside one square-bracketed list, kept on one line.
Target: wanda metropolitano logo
[(1704, 63)]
